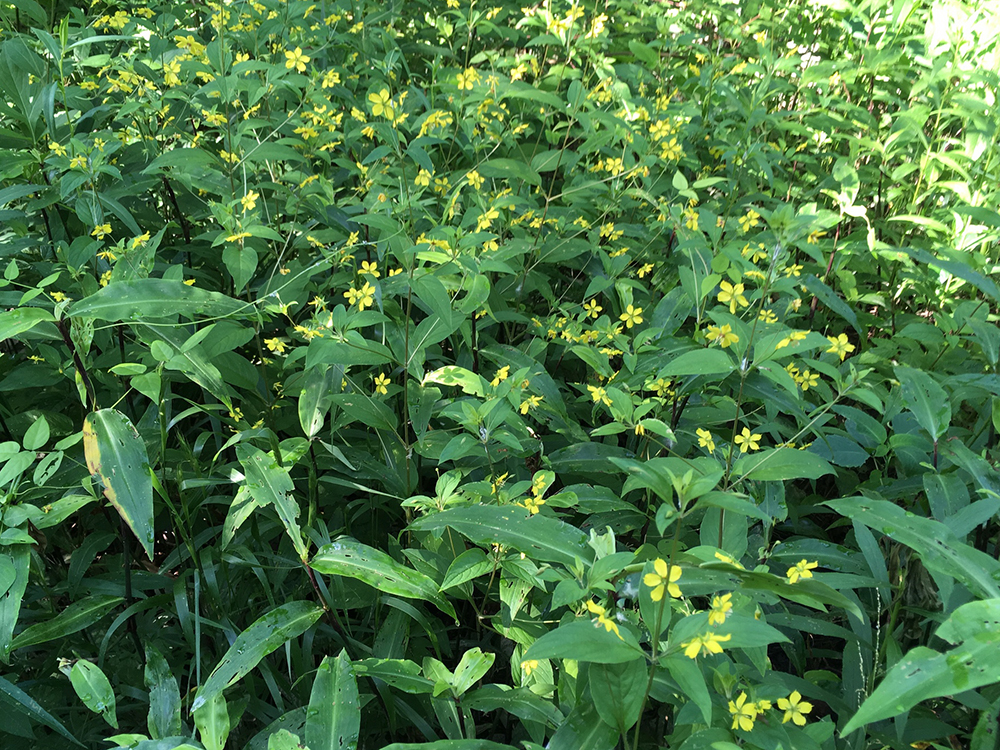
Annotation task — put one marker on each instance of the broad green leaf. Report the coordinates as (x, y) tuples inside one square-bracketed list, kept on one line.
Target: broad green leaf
[(266, 634), (584, 640), (470, 669), (449, 745), (400, 673), (743, 631), (688, 675), (37, 435), (926, 399), (699, 362), (972, 620), (284, 740), (77, 616), (347, 557), (467, 380), (116, 455), (540, 537), (142, 299), (212, 721), (924, 673), (510, 168), (94, 689), (584, 729), (618, 691), (27, 705), (241, 262), (10, 601), (470, 564), (15, 322), (333, 720), (353, 350), (520, 702), (314, 399), (937, 545), (164, 718), (781, 464), (270, 484)]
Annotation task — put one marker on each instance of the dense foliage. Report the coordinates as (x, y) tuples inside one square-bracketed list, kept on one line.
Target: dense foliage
[(575, 376)]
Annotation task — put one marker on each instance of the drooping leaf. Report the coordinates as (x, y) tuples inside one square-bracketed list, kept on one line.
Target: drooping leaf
[(27, 705), (618, 691), (164, 718), (540, 537), (142, 299), (116, 456), (270, 484), (77, 616), (346, 557), (926, 399), (18, 556), (333, 720), (584, 640), (266, 634), (94, 689)]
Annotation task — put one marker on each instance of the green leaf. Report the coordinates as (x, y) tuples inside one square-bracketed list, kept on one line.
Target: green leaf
[(520, 702), (241, 262), (266, 634), (164, 718), (270, 484), (540, 537), (77, 616), (467, 380), (510, 168), (23, 319), (353, 351), (691, 679), (781, 464), (584, 729), (937, 545), (470, 670), (10, 601), (618, 691), (116, 455), (283, 740), (212, 721), (346, 557), (333, 720), (400, 673), (449, 745), (142, 299), (470, 564), (924, 673), (972, 620), (314, 399), (27, 705), (926, 399), (94, 689), (37, 435), (584, 640), (699, 362)]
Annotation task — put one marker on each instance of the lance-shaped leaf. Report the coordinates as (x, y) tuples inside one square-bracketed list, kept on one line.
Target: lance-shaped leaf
[(164, 718), (117, 457), (16, 560), (542, 538), (269, 484), (265, 635), (74, 618), (141, 299), (346, 557), (334, 717), (94, 689), (29, 706)]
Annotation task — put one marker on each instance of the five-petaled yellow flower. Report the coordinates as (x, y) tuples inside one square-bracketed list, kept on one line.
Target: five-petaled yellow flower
[(840, 346), (249, 201), (747, 441), (721, 607), (529, 666), (599, 395), (664, 579), (296, 60), (275, 345), (475, 179), (801, 569), (381, 381), (723, 335), (733, 295), (382, 104), (500, 375), (370, 268), (706, 643), (705, 439), (592, 308), (632, 316), (602, 619), (743, 713), (795, 709), (101, 231)]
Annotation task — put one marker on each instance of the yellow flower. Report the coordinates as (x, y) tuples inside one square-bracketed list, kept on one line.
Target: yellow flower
[(530, 403), (602, 619), (748, 442), (808, 380), (795, 709), (705, 644), (723, 335), (58, 149), (533, 504), (381, 381), (249, 201), (743, 713), (801, 569), (370, 268), (705, 439), (840, 346), (142, 239), (599, 395), (750, 220), (529, 666), (382, 104), (475, 179), (793, 336), (592, 308), (296, 60), (78, 161), (733, 295), (238, 237), (632, 316), (671, 150), (644, 270), (729, 560), (367, 296), (768, 316), (500, 375), (101, 231), (664, 579), (58, 296), (423, 178), (275, 345), (467, 79), (793, 270), (722, 606), (690, 218)]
